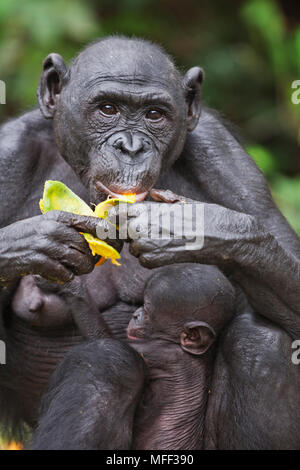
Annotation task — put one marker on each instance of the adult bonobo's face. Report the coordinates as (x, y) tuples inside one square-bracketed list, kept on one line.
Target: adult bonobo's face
[(121, 113)]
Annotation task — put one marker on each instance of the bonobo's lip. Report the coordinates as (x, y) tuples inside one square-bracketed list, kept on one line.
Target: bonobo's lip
[(139, 197), (131, 337)]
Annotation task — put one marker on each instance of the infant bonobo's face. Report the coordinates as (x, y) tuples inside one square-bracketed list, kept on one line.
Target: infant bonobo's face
[(194, 337), (156, 323), (39, 303), (177, 312)]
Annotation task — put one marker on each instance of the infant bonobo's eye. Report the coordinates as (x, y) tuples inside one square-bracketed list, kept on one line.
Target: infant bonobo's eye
[(154, 115), (108, 109)]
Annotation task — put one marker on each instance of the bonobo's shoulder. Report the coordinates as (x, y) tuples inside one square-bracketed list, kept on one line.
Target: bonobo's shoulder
[(26, 129), (22, 142), (213, 122), (31, 121)]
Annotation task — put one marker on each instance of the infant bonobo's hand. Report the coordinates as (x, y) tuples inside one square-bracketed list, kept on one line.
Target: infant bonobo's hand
[(83, 309), (49, 245)]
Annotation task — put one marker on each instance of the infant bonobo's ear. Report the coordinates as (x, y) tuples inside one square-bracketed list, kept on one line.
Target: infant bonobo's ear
[(54, 74), (197, 337)]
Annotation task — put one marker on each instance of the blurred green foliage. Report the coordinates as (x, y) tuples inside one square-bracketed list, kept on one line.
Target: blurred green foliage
[(250, 50)]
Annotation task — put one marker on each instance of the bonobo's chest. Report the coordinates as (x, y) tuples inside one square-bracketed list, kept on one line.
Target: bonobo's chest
[(110, 284)]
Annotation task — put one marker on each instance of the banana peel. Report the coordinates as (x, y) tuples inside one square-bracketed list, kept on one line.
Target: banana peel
[(57, 196)]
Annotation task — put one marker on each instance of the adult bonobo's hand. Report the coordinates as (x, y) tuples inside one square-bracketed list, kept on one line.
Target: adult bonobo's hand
[(49, 245), (258, 261), (192, 232)]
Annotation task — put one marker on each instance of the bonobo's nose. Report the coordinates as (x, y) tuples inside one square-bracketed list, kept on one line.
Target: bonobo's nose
[(138, 314), (129, 143)]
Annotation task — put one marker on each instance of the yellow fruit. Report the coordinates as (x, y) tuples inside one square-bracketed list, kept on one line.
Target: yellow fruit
[(101, 210), (57, 196)]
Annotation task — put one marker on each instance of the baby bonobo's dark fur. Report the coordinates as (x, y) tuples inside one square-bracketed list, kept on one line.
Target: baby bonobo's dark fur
[(175, 335), (92, 398), (122, 119)]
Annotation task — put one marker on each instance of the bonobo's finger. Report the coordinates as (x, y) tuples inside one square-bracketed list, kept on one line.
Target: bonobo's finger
[(138, 209), (117, 244), (165, 195), (84, 224), (124, 211), (54, 236), (77, 262), (117, 213), (53, 270), (81, 223), (150, 260), (143, 245), (134, 248)]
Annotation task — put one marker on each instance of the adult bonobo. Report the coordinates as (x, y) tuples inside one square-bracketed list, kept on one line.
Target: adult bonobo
[(122, 119)]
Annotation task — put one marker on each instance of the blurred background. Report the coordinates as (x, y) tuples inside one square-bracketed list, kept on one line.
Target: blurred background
[(250, 50)]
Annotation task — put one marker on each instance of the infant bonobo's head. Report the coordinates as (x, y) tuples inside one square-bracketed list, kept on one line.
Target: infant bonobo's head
[(40, 302), (185, 304)]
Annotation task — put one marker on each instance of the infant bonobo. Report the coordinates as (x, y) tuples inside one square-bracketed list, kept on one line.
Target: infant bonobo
[(175, 333)]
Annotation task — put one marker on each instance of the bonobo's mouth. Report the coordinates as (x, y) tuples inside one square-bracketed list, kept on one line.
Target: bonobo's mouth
[(139, 196), (133, 335)]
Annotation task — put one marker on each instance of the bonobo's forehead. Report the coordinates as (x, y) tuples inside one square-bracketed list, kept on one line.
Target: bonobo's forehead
[(125, 61)]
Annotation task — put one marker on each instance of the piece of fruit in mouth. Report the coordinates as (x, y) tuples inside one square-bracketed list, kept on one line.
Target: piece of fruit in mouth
[(57, 196)]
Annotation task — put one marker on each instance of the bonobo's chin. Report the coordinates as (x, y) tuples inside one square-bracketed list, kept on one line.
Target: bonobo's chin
[(135, 334), (100, 192)]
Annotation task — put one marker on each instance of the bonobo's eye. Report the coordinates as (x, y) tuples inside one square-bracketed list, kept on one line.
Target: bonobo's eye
[(154, 115), (108, 109)]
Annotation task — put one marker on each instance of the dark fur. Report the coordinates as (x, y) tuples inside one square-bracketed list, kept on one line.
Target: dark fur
[(94, 392), (246, 237)]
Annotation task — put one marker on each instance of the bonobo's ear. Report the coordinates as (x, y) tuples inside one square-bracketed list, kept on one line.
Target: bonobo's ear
[(192, 85), (197, 337), (52, 78)]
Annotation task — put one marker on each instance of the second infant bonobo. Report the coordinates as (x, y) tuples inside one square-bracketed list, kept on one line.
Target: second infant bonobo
[(175, 334)]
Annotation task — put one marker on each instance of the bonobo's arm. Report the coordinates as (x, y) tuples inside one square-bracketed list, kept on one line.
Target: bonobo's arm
[(267, 271), (84, 309), (228, 176), (49, 245), (244, 231)]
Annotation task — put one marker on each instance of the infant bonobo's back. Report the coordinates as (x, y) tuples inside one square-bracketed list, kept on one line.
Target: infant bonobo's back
[(175, 333), (92, 398)]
